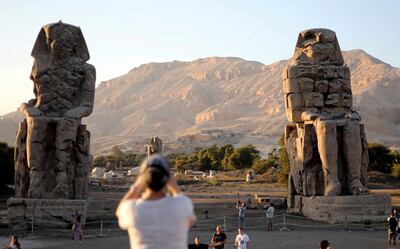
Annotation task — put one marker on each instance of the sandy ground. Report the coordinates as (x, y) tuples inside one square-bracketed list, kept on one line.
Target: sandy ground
[(259, 240)]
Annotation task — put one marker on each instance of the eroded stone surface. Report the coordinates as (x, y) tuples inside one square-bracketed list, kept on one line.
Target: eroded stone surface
[(325, 141), (155, 146), (52, 157)]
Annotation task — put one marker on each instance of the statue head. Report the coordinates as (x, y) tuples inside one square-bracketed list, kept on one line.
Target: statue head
[(317, 46), (58, 41)]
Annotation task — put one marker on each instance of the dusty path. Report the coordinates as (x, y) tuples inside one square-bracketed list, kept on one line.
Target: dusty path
[(259, 240)]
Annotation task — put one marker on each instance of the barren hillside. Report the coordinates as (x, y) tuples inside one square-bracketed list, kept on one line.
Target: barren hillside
[(177, 98)]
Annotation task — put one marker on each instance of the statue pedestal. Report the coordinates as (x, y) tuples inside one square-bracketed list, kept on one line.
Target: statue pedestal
[(350, 208), (45, 213)]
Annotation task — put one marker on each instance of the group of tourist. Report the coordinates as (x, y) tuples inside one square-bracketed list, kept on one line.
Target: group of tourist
[(241, 207), (219, 239)]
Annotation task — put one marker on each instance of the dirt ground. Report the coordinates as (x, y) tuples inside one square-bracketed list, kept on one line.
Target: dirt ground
[(258, 240), (218, 197)]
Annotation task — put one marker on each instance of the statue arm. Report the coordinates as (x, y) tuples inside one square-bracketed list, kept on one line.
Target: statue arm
[(86, 96), (29, 110)]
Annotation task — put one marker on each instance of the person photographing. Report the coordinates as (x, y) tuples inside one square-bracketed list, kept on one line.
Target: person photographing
[(151, 215)]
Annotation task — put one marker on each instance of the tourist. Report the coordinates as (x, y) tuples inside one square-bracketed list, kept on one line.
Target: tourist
[(242, 239), (392, 230), (197, 244), (242, 213), (270, 215), (219, 238), (153, 218), (14, 244), (324, 244), (77, 229), (249, 177)]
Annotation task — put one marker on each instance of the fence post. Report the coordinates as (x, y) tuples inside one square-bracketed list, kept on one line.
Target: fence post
[(224, 222), (284, 221), (33, 216), (345, 221)]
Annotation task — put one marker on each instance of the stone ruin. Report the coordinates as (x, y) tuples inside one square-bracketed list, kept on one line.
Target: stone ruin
[(52, 159), (325, 139), (155, 146)]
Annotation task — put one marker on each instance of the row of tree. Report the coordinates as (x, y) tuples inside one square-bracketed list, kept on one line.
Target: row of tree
[(225, 158), (117, 159)]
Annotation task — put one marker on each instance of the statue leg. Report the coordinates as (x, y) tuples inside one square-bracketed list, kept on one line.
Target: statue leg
[(65, 139), (83, 163), (35, 145), (352, 156), (328, 149)]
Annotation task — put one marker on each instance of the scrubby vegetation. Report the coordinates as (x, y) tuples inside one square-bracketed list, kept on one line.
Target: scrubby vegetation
[(225, 158), (117, 158)]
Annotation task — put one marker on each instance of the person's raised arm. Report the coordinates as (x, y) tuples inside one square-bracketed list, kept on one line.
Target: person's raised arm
[(173, 186), (133, 193)]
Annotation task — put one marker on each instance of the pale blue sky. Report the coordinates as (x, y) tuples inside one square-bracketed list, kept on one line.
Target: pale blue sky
[(124, 34)]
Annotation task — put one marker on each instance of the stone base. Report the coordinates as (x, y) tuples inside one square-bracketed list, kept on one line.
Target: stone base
[(350, 208), (46, 213)]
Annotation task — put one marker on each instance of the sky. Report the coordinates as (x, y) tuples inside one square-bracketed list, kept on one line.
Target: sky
[(124, 34)]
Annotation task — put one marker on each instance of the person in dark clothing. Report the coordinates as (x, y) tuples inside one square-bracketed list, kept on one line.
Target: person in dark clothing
[(324, 244), (197, 244), (219, 238), (392, 230)]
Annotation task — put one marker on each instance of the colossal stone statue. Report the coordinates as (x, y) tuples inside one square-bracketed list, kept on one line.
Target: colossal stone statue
[(52, 157), (155, 146), (325, 141)]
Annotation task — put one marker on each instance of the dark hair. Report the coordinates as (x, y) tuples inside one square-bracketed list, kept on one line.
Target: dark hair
[(155, 177), (16, 241), (323, 244)]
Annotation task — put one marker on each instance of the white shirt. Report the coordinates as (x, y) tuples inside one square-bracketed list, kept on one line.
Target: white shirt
[(154, 224), (270, 212), (241, 241)]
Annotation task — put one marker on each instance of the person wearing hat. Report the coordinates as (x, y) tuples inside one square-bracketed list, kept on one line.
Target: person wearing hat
[(153, 218), (324, 244)]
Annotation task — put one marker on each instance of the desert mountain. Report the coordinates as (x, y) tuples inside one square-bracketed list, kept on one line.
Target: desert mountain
[(229, 94)]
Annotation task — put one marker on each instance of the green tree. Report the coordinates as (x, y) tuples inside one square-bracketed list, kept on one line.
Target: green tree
[(261, 166), (6, 164), (396, 170), (205, 163), (283, 172), (380, 158), (181, 163), (100, 161), (243, 157)]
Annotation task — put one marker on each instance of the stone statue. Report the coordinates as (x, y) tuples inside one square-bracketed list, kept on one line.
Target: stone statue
[(155, 146), (52, 157), (325, 141)]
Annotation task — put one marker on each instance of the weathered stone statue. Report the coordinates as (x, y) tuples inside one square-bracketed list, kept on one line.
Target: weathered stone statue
[(52, 157), (325, 141), (155, 146)]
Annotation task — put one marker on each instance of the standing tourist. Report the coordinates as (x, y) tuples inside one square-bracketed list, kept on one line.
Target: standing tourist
[(153, 218), (242, 239), (392, 230), (219, 238), (270, 215), (77, 229), (242, 213)]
